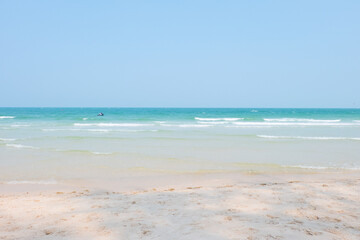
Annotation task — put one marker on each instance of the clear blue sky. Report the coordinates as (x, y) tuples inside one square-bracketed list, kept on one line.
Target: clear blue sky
[(180, 53)]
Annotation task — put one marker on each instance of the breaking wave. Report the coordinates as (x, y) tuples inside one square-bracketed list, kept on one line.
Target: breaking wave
[(112, 124), (218, 119), (7, 139), (300, 120), (5, 117), (295, 124), (102, 153), (21, 146)]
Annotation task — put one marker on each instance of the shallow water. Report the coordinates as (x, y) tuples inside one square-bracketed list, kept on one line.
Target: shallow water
[(60, 143)]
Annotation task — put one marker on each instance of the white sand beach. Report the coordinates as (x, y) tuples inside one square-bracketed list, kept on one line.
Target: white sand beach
[(192, 206)]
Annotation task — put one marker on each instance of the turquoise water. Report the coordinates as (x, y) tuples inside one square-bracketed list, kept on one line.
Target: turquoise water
[(174, 114), (56, 143)]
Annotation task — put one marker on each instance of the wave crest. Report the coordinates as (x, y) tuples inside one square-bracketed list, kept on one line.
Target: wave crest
[(5, 117), (300, 120), (7, 139), (112, 124), (21, 146), (218, 119)]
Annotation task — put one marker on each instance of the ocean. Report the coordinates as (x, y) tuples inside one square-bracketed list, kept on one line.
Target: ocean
[(51, 144)]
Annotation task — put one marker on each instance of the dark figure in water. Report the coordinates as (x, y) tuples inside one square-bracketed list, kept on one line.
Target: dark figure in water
[(100, 114)]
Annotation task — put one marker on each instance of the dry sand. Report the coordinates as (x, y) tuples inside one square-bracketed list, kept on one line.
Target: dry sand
[(207, 206)]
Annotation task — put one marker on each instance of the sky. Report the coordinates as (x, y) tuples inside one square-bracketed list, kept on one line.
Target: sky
[(187, 53)]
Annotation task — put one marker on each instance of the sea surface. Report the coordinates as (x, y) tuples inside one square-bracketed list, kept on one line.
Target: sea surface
[(50, 144)]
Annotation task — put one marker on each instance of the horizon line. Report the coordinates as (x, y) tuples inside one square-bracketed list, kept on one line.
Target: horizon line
[(197, 107)]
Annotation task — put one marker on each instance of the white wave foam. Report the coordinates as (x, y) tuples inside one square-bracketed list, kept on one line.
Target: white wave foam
[(232, 119), (218, 119), (132, 130), (357, 121), (308, 138), (138, 130), (4, 117), (112, 124), (85, 119), (98, 130), (250, 126), (102, 153), (61, 129), (254, 111), (21, 146), (20, 125), (7, 139), (295, 124), (32, 182), (73, 129), (300, 120)]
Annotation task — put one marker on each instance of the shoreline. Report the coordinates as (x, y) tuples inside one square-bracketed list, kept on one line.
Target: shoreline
[(143, 181)]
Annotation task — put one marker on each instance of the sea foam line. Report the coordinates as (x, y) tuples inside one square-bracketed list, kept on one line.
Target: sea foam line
[(295, 124), (112, 124), (218, 119), (102, 153), (213, 123), (300, 120), (307, 138), (21, 146), (7, 139), (187, 125), (98, 130), (4, 117)]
